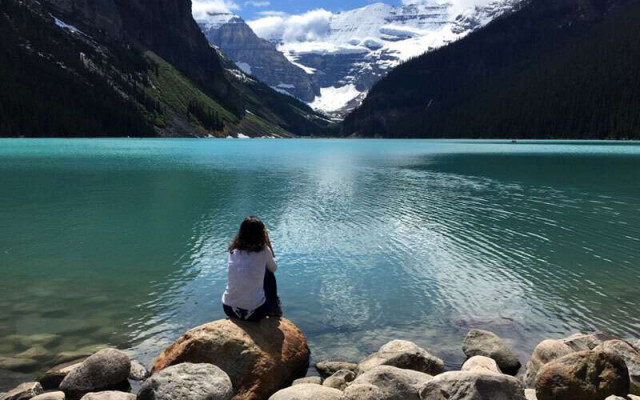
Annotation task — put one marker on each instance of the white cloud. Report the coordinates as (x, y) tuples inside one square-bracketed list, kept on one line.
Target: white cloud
[(271, 13), (257, 4), (310, 26), (203, 7)]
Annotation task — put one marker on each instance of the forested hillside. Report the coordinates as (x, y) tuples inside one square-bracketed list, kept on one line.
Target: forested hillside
[(554, 69), (129, 69)]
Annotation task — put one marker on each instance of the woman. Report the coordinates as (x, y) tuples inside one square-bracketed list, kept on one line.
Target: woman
[(251, 292)]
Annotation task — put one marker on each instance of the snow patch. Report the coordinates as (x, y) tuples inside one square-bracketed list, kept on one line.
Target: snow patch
[(68, 27), (242, 136), (335, 98), (246, 68)]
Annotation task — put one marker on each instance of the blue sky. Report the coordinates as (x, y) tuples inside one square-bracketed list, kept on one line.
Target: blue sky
[(253, 9)]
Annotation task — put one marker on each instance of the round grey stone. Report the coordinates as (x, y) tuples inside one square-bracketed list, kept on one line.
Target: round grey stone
[(138, 371), (106, 369), (403, 354), (316, 380), (188, 381), (472, 385), (328, 368), (109, 395), (50, 396), (24, 391), (488, 344), (394, 383), (363, 391)]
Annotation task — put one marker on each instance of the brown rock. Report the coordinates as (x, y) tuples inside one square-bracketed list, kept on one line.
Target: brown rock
[(631, 357), (50, 396), (545, 352), (259, 357), (315, 380), (583, 342), (328, 368), (585, 375)]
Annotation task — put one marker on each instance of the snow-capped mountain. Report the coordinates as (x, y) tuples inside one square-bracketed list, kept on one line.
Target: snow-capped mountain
[(345, 54)]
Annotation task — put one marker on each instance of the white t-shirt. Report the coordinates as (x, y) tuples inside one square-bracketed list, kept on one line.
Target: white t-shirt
[(245, 278)]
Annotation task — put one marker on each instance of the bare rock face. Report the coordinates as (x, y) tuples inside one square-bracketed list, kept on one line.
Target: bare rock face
[(328, 368), (631, 357), (307, 392), (187, 381), (403, 354), (585, 375), (472, 385), (481, 364), (259, 357), (105, 370), (488, 344), (394, 383), (545, 352), (24, 391), (340, 379)]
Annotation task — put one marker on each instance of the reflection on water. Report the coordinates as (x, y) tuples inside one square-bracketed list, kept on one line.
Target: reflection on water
[(122, 242)]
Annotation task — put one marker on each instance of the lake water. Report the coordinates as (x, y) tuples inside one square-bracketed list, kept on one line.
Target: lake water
[(122, 242)]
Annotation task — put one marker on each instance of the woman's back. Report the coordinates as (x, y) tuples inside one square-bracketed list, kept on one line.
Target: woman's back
[(245, 284)]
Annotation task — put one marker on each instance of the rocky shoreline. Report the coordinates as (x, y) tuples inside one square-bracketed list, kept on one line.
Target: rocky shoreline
[(231, 360)]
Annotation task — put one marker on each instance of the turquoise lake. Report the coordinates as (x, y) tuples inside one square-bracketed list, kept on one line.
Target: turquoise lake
[(122, 242)]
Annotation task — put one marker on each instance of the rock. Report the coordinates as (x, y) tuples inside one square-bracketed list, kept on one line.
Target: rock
[(50, 396), (328, 368), (363, 391), (631, 357), (107, 369), (53, 377), (187, 381), (636, 344), (340, 379), (394, 383), (25, 391), (316, 380), (138, 371), (403, 354), (259, 357), (481, 364), (18, 364), (585, 375), (545, 352), (633, 397), (109, 395), (472, 385), (530, 394), (488, 344), (37, 352), (583, 342), (616, 398), (307, 391), (43, 339)]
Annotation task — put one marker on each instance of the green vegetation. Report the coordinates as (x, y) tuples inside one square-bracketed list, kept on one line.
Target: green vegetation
[(554, 69)]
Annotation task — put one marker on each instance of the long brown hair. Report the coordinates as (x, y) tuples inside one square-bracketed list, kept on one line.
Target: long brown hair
[(252, 236)]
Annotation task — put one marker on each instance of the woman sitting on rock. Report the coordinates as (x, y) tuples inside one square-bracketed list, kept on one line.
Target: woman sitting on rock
[(251, 292)]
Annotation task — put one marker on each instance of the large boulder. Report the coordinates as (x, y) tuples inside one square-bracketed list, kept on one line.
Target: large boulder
[(109, 395), (472, 385), (403, 354), (363, 391), (394, 383), (545, 352), (587, 341), (340, 379), (328, 368), (488, 344), (107, 369), (631, 357), (187, 381), (307, 391), (24, 391), (585, 375), (259, 357), (481, 364)]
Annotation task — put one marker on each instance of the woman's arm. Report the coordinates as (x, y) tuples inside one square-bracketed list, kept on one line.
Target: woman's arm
[(271, 262)]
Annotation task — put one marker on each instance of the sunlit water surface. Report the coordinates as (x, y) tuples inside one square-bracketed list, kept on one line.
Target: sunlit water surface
[(122, 242)]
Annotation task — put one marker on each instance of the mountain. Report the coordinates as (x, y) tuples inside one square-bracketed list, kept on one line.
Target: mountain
[(129, 68), (553, 69), (256, 56), (348, 52)]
